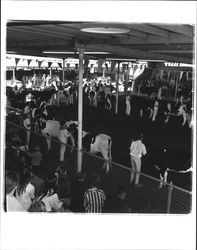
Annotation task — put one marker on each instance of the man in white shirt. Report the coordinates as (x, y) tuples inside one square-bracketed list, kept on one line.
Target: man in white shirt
[(137, 150)]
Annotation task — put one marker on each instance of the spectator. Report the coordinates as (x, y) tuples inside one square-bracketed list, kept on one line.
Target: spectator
[(137, 150), (37, 206), (25, 192), (36, 159), (51, 199), (11, 183), (118, 202), (16, 157), (78, 189), (63, 186), (94, 197), (27, 126)]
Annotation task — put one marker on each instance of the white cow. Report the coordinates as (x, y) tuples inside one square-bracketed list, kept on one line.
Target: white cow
[(93, 143)]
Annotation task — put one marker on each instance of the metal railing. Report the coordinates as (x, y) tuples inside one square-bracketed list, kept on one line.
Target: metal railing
[(150, 198)]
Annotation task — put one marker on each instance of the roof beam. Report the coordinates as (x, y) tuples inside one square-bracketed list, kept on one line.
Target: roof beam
[(171, 51), (118, 50), (180, 29), (150, 29), (41, 43)]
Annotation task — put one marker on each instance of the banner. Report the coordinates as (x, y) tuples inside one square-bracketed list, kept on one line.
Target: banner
[(100, 64), (49, 64), (28, 61), (60, 65), (106, 65), (39, 64), (86, 61), (17, 60)]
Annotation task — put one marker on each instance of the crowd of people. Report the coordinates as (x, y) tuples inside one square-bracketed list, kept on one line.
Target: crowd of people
[(61, 194)]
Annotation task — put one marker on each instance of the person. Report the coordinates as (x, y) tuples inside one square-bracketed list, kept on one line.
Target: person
[(182, 112), (78, 188), (128, 105), (137, 150), (37, 206), (94, 198), (51, 199), (16, 157), (108, 104), (27, 126), (117, 203), (64, 134), (154, 111), (63, 186), (11, 184), (25, 192), (36, 159)]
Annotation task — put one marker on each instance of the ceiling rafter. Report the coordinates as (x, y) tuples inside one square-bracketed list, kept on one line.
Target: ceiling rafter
[(118, 50), (151, 30), (180, 29)]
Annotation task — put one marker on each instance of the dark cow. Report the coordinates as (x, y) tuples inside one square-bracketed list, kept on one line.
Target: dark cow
[(177, 172)]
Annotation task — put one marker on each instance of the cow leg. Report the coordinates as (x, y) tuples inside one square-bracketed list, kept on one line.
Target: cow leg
[(104, 153), (62, 151)]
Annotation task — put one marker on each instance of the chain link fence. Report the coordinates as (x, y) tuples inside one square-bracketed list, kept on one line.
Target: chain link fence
[(149, 198)]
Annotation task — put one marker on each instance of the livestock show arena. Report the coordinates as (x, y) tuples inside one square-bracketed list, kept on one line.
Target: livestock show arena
[(98, 132)]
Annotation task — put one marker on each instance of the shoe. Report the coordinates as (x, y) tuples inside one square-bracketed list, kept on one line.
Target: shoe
[(138, 185)]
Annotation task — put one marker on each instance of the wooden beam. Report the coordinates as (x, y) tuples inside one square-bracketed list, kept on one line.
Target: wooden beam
[(181, 29)]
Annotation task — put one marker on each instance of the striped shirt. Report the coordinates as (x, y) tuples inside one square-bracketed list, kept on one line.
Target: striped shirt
[(94, 199)]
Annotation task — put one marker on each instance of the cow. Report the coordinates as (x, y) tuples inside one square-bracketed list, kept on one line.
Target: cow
[(92, 143), (171, 171)]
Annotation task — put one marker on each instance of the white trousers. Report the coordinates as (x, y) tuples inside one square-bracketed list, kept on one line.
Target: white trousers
[(136, 166)]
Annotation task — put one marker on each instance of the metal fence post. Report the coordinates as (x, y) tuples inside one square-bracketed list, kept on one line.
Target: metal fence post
[(170, 188)]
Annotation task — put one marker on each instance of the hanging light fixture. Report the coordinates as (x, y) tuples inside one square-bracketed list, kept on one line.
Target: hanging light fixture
[(105, 28)]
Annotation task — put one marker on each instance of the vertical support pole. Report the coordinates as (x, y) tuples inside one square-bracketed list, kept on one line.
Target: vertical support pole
[(50, 72), (80, 109), (63, 71), (170, 188), (117, 87)]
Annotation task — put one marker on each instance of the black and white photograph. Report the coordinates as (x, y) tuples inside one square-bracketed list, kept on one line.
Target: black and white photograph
[(98, 125)]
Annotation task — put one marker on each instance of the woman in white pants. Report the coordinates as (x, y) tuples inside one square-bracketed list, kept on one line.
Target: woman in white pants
[(137, 150)]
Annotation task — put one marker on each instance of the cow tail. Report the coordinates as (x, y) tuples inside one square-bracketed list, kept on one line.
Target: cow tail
[(109, 149)]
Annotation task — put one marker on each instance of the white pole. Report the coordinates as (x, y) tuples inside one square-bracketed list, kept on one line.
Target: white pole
[(117, 87), (63, 71), (80, 109)]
